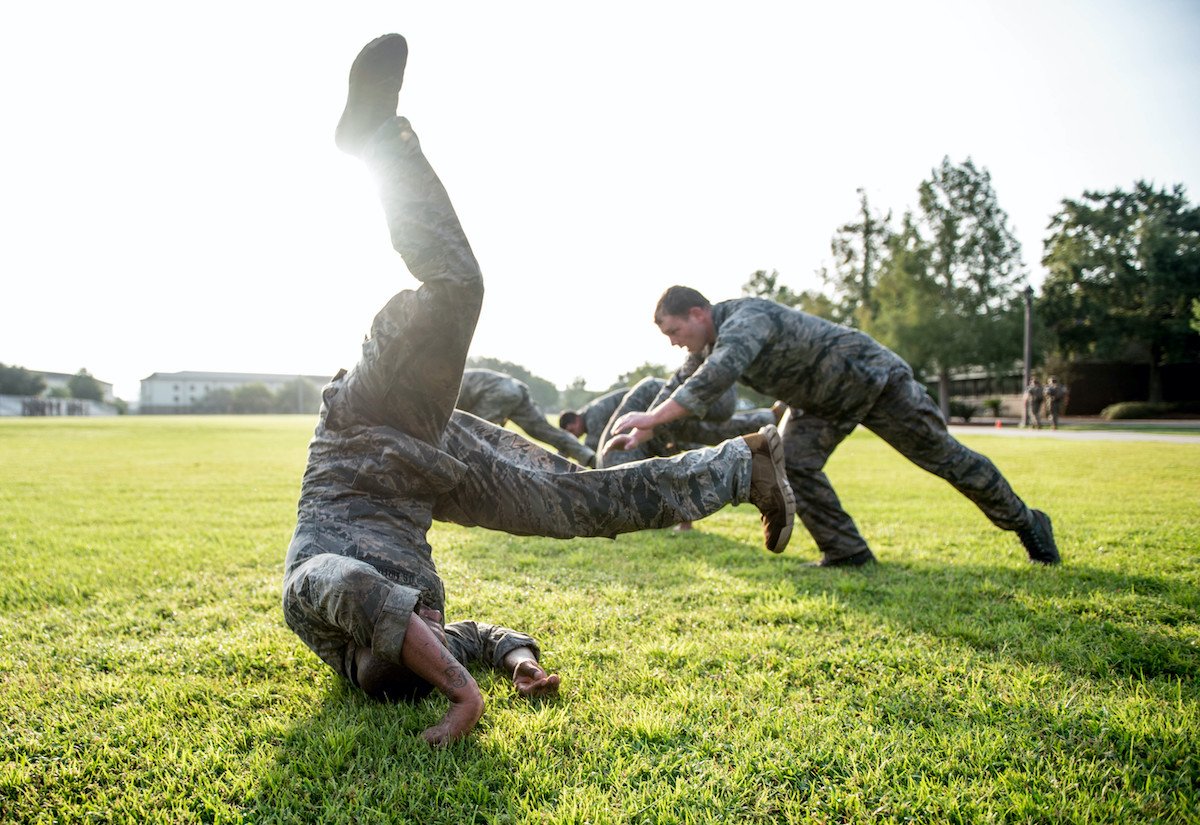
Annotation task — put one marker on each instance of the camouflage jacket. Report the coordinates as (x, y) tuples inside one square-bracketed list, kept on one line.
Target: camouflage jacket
[(368, 493), (829, 370), (490, 395), (595, 416)]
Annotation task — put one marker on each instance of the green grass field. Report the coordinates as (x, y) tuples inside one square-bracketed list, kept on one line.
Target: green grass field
[(146, 674)]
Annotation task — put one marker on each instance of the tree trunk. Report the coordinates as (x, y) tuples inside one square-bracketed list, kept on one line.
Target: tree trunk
[(944, 392), (1155, 392)]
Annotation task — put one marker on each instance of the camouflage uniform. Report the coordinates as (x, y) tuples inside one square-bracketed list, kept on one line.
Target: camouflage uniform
[(390, 454), (1056, 398), (1033, 404), (841, 378), (719, 424), (496, 397), (596, 414)]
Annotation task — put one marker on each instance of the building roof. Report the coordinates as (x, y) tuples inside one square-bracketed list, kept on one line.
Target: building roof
[(239, 377)]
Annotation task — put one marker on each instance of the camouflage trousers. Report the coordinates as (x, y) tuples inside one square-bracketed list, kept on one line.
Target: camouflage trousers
[(515, 486), (721, 424), (908, 419)]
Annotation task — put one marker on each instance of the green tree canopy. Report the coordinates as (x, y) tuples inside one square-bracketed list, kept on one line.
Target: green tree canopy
[(646, 370), (948, 290), (577, 394), (252, 398), (216, 401), (83, 385), (298, 396), (763, 284), (858, 251), (1123, 271), (16, 380)]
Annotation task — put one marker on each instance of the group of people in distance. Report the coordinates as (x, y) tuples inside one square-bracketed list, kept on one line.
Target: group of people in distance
[(393, 450), (1049, 400)]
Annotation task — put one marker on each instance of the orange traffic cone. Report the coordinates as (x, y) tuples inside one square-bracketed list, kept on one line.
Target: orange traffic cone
[(998, 424)]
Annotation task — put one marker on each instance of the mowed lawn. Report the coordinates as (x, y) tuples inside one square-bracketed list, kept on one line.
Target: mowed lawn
[(146, 674)]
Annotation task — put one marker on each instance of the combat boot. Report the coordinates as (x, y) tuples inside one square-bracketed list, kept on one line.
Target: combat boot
[(769, 488), (375, 79), (1038, 539)]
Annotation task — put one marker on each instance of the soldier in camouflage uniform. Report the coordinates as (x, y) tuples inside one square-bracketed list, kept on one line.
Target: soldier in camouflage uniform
[(390, 454), (497, 397), (719, 423), (590, 419), (1056, 400), (1033, 404), (841, 378)]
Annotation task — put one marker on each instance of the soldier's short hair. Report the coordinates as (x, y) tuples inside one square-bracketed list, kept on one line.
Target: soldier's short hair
[(567, 419), (677, 300)]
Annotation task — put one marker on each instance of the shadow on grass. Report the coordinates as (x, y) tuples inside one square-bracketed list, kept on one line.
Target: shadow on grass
[(1093, 621), (357, 760)]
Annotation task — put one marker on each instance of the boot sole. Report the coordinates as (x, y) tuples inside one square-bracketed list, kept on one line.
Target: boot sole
[(775, 445), (376, 75)]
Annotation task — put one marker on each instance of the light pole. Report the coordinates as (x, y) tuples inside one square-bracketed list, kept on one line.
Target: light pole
[(1027, 372)]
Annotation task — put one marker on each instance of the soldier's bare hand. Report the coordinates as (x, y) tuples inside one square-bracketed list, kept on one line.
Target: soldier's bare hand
[(620, 442), (634, 421), (531, 681)]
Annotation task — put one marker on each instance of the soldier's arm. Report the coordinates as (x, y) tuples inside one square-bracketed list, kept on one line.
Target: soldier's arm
[(510, 651), (741, 338)]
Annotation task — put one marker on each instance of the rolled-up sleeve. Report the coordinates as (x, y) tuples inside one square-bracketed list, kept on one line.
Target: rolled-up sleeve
[(485, 643)]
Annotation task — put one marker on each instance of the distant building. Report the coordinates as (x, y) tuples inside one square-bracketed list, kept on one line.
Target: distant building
[(58, 380), (184, 392)]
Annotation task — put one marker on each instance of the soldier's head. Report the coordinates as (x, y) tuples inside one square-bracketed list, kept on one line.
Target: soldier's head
[(685, 317), (387, 681), (573, 423)]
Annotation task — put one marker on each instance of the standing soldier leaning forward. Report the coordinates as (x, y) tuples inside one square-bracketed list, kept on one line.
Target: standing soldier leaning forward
[(841, 378), (390, 454), (498, 397)]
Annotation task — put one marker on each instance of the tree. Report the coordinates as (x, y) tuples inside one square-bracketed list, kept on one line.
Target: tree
[(1123, 271), (252, 398), (218, 401), (577, 394), (858, 250), (16, 380), (646, 370), (952, 277), (764, 285), (83, 385), (298, 396)]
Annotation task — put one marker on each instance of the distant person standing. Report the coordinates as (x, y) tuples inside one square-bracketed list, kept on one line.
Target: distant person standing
[(1034, 397), (1056, 400)]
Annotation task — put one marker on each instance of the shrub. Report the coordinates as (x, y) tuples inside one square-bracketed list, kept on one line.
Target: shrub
[(961, 409), (1149, 409), (993, 405)]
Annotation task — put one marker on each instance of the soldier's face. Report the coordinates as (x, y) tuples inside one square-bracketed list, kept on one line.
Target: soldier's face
[(691, 331)]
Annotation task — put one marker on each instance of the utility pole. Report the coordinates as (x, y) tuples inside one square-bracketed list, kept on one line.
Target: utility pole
[(1027, 372)]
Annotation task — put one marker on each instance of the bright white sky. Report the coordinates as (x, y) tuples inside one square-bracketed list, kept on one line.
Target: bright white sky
[(171, 198)]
